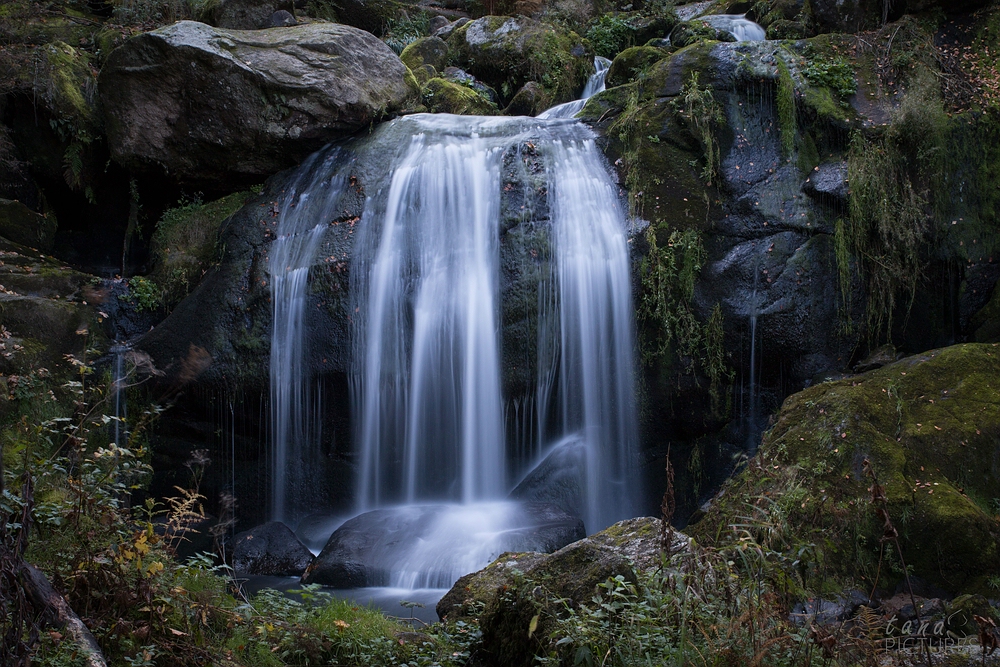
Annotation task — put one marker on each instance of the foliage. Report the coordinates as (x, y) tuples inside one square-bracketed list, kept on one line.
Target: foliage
[(399, 32), (610, 35), (705, 609), (834, 73), (142, 293), (887, 225)]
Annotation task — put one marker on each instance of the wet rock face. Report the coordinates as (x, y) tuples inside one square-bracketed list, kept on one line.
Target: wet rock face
[(270, 550), (221, 106)]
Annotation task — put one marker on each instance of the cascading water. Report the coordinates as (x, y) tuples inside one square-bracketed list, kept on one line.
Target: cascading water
[(595, 316), (427, 397), (595, 84), (738, 25), (295, 422), (430, 423)]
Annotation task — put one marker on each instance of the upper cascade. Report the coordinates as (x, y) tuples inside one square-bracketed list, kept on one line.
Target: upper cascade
[(595, 84), (742, 28)]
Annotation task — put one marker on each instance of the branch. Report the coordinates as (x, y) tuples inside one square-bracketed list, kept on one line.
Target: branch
[(53, 608)]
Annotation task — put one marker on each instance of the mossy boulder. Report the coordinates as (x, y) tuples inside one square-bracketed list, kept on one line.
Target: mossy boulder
[(519, 590), (928, 425), (431, 51), (444, 96), (185, 244), (961, 613), (785, 29), (22, 225), (507, 52), (686, 33), (628, 64), (530, 100), (986, 322)]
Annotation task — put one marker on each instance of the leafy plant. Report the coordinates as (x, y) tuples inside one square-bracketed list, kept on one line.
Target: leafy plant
[(698, 107), (610, 35), (833, 73), (143, 293)]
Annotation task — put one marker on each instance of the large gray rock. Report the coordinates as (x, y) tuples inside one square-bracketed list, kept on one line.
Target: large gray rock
[(432, 546), (212, 105), (271, 549)]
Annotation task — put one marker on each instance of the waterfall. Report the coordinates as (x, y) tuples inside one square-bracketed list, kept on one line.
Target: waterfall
[(738, 25), (426, 380), (295, 420)]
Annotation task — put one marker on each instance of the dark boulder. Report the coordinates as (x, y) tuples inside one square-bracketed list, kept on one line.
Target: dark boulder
[(226, 106), (271, 549), (247, 14), (827, 184), (559, 479), (22, 225)]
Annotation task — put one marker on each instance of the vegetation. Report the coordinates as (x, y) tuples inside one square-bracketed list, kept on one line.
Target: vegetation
[(610, 34), (665, 308), (890, 173), (142, 293), (698, 107), (65, 504)]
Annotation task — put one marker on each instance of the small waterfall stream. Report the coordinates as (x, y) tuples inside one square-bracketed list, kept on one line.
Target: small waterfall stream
[(295, 418), (595, 84)]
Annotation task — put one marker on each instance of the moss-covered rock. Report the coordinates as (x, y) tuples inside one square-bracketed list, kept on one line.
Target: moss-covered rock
[(785, 29), (431, 51), (444, 96), (630, 62), (530, 100), (518, 591), (47, 311), (928, 425), (686, 33), (22, 225), (987, 321), (507, 52), (185, 244)]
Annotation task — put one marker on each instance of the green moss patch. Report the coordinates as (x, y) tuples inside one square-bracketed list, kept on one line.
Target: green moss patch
[(184, 244)]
